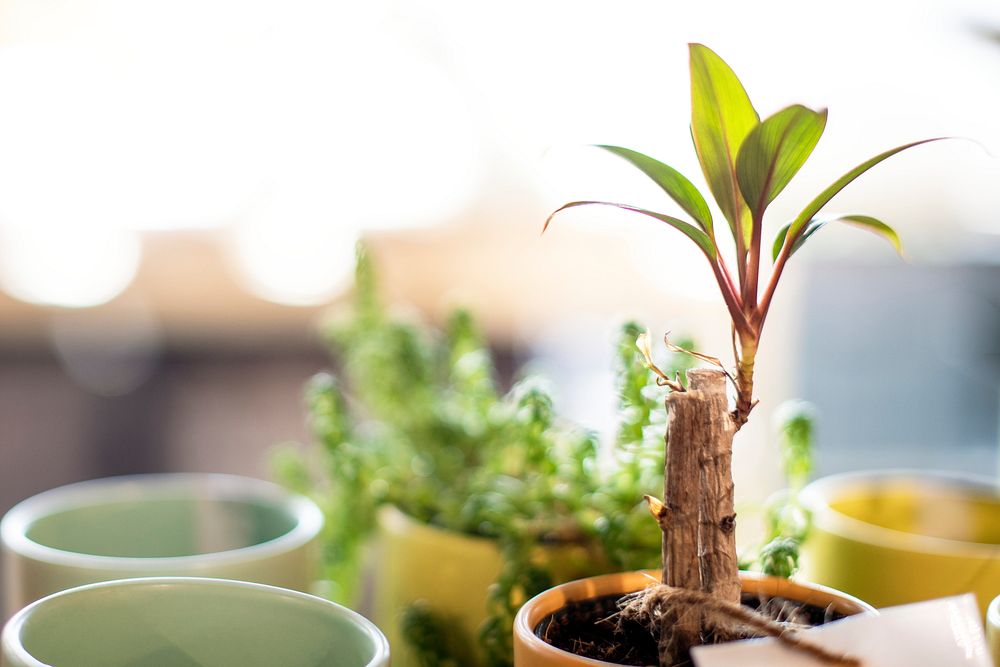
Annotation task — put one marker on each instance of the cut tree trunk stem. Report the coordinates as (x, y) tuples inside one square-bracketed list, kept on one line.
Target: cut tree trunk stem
[(698, 520)]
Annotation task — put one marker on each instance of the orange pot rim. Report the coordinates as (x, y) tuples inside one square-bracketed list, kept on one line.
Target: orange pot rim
[(608, 584)]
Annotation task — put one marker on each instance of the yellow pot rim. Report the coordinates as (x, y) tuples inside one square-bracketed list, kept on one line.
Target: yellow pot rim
[(395, 519), (818, 496)]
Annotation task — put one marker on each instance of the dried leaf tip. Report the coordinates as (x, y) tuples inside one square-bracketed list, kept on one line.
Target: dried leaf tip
[(715, 361), (656, 507), (645, 348)]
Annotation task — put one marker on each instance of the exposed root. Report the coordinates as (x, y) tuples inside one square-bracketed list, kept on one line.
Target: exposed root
[(725, 621)]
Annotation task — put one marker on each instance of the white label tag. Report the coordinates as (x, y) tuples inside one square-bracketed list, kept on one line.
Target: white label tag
[(941, 632)]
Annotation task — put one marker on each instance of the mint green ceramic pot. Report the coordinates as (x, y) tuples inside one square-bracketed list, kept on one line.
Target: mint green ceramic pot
[(188, 622), (199, 525)]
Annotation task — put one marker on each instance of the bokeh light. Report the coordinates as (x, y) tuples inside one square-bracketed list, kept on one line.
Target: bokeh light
[(293, 251), (67, 265)]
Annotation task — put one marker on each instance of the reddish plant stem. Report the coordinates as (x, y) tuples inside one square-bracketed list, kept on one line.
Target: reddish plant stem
[(765, 303), (753, 267), (731, 297), (741, 249), (724, 268)]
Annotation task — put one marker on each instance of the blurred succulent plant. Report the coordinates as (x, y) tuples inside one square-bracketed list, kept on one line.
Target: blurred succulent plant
[(415, 419)]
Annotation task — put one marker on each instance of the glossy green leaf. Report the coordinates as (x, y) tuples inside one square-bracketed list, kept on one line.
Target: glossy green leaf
[(671, 181), (810, 211), (774, 151), (721, 118), (876, 227), (864, 221), (779, 240), (698, 236)]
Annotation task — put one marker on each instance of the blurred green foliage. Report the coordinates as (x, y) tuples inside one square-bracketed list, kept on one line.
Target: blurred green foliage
[(415, 419), (786, 520)]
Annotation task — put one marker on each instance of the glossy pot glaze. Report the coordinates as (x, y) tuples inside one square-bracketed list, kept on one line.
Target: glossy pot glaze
[(898, 536), (204, 525), (189, 621), (451, 572)]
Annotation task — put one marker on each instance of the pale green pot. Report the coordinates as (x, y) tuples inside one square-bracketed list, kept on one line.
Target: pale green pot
[(189, 622), (902, 536), (202, 525), (451, 572)]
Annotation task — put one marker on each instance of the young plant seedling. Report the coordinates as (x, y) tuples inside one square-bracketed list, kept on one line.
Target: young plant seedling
[(747, 162)]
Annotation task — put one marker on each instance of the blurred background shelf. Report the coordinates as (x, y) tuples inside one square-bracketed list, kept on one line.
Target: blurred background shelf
[(182, 185)]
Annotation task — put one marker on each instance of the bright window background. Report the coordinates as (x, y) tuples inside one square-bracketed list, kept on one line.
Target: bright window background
[(182, 184)]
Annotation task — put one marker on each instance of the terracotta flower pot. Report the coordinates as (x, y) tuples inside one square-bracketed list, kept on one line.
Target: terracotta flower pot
[(450, 571), (899, 536), (531, 651)]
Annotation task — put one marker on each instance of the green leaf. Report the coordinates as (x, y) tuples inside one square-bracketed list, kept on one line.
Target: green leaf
[(875, 226), (674, 183), (810, 211), (774, 151), (865, 221), (703, 240), (721, 118), (779, 240)]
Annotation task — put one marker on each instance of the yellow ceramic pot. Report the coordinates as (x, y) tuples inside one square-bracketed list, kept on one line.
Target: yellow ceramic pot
[(532, 651), (451, 572), (895, 537)]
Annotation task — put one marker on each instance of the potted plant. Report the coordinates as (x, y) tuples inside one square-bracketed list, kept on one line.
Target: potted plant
[(466, 500), (747, 162)]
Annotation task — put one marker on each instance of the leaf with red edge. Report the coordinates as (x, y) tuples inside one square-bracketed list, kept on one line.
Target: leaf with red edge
[(703, 240), (774, 151), (671, 181), (864, 221), (721, 118)]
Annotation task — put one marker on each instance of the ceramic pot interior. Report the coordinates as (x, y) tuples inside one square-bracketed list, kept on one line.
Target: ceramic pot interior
[(936, 510), (156, 516), (181, 624), (161, 527)]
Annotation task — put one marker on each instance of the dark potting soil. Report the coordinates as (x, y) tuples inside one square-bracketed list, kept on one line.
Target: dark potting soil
[(591, 629)]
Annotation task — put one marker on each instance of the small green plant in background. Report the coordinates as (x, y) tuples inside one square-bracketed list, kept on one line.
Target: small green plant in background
[(786, 521), (414, 418)]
